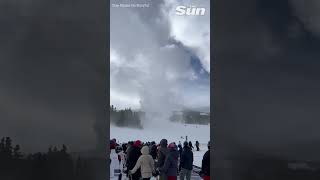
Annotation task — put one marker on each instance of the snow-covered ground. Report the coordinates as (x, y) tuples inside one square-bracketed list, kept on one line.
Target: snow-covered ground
[(197, 156), (173, 132)]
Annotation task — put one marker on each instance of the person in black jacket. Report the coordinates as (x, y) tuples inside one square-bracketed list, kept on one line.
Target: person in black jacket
[(190, 145), (180, 149), (186, 162), (205, 168), (133, 157), (197, 145), (153, 150)]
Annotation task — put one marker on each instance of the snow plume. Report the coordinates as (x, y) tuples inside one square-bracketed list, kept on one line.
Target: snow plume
[(193, 31), (149, 65)]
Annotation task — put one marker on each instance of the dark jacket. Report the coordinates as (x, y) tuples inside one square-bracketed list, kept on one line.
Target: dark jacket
[(186, 160), (190, 145), (170, 167), (133, 157), (163, 151), (153, 151), (206, 164), (180, 149)]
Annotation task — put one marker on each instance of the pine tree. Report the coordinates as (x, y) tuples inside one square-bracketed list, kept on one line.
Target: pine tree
[(16, 152), (64, 149), (50, 150), (121, 119), (2, 145), (55, 149), (8, 147)]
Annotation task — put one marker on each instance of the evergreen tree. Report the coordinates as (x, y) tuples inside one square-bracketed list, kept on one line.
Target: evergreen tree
[(125, 117), (121, 119), (55, 149), (8, 147), (2, 145), (50, 150), (64, 149), (16, 152)]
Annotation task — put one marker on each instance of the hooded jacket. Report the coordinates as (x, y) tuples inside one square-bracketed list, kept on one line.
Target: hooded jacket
[(163, 151), (170, 167), (145, 163)]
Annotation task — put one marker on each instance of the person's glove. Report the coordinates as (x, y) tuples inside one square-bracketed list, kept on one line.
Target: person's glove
[(201, 174), (155, 173)]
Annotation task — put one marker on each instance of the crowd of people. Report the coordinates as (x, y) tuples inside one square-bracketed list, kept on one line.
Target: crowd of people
[(138, 160)]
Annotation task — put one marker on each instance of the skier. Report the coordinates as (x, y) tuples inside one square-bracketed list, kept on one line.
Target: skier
[(190, 145), (145, 163), (133, 157), (180, 149), (186, 162), (162, 153), (170, 166), (205, 167), (114, 161), (197, 146)]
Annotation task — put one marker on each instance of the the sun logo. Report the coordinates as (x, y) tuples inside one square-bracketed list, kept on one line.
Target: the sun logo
[(190, 11)]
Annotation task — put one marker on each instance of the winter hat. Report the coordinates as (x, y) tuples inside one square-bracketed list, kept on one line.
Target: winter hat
[(112, 144), (137, 143), (185, 144), (163, 142), (172, 146), (145, 150)]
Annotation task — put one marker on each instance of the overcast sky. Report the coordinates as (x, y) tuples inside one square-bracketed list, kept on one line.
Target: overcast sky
[(158, 57)]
